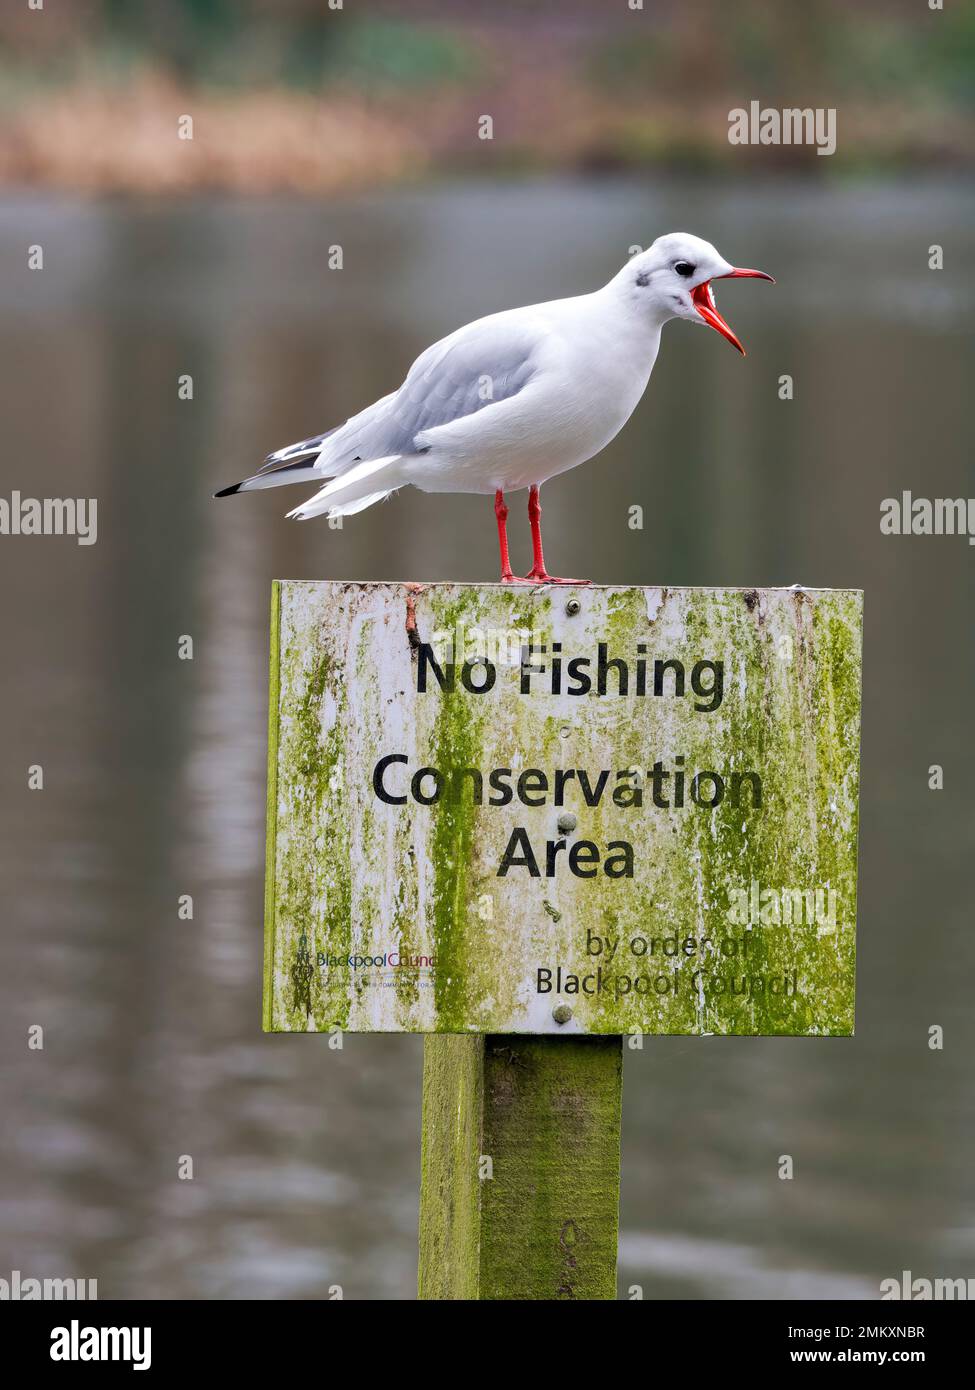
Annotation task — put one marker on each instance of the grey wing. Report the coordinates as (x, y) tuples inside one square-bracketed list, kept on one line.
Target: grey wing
[(485, 362)]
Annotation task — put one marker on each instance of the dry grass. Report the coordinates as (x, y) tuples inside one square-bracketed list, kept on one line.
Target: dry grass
[(103, 140)]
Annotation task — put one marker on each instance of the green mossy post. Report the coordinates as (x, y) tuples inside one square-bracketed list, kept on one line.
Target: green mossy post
[(541, 1219)]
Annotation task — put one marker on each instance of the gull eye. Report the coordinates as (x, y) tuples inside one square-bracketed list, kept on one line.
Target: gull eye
[(684, 268)]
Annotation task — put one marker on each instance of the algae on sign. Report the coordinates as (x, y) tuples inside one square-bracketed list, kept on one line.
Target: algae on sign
[(598, 810)]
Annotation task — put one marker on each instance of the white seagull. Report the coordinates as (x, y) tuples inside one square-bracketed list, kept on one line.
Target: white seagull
[(513, 399)]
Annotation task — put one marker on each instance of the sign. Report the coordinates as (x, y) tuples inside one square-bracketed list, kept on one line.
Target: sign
[(605, 810)]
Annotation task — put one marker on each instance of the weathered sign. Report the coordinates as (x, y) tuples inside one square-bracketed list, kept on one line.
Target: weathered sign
[(607, 810)]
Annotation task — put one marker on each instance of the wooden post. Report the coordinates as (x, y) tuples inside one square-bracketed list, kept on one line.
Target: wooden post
[(520, 1179)]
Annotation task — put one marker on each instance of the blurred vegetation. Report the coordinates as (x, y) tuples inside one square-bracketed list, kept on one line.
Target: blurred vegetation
[(90, 94)]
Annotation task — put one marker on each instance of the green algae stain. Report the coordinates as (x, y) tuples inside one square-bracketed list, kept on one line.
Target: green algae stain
[(738, 843), (450, 1187), (456, 744), (313, 872), (792, 845)]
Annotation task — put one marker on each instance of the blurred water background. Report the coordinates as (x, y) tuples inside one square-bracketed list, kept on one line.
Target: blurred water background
[(306, 1159)]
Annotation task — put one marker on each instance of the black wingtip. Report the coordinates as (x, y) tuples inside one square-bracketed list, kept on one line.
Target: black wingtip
[(228, 491)]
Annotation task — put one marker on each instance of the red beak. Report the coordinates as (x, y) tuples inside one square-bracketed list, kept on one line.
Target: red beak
[(705, 305)]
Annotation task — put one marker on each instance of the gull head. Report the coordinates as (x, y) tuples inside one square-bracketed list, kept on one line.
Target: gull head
[(672, 280)]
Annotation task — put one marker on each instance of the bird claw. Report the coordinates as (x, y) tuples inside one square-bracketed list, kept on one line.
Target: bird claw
[(539, 580), (544, 578)]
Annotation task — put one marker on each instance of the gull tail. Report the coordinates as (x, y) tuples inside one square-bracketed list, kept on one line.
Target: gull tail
[(294, 464), (302, 470), (366, 483)]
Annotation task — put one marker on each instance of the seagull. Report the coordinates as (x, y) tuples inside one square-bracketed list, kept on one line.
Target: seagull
[(513, 399)]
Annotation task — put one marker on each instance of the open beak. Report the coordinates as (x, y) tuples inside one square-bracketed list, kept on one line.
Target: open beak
[(704, 302)]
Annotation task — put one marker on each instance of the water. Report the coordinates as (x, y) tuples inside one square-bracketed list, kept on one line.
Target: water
[(306, 1160)]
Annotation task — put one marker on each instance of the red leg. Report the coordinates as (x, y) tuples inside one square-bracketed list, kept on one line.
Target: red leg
[(539, 574), (501, 512)]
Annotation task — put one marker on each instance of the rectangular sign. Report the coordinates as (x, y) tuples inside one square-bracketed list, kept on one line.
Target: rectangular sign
[(604, 810)]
